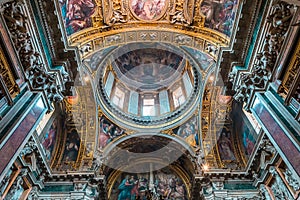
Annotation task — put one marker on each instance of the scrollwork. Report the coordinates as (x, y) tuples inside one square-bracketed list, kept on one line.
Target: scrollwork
[(117, 17), (199, 162), (33, 194), (37, 75), (115, 13), (182, 39), (218, 185), (79, 186), (97, 165), (291, 180), (29, 148), (179, 15), (279, 20), (15, 189), (279, 188), (264, 191)]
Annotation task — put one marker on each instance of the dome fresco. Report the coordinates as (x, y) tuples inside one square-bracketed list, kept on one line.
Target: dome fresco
[(148, 81), (148, 68)]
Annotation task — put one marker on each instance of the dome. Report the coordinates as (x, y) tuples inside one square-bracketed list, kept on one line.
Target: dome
[(148, 82)]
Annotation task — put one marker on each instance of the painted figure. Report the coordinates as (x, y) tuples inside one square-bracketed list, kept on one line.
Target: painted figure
[(108, 132), (189, 132), (125, 189), (77, 14), (166, 186), (72, 146), (147, 9), (225, 147), (105, 133), (49, 141), (219, 14), (248, 139)]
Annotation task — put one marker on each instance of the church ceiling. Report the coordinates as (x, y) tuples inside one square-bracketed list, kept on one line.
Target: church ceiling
[(135, 38), (94, 24), (186, 36), (140, 93)]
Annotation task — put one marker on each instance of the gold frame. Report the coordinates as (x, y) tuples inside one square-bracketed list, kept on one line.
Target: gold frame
[(163, 12)]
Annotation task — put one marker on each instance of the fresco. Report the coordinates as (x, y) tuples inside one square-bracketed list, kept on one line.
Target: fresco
[(224, 100), (72, 146), (202, 58), (247, 134), (189, 131), (108, 131), (137, 186), (48, 140), (225, 146), (148, 9), (249, 138), (77, 14), (148, 67), (220, 14)]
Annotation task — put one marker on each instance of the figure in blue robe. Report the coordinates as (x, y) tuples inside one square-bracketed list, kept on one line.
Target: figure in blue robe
[(125, 189)]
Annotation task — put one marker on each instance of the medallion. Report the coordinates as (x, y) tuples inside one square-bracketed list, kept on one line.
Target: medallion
[(148, 10)]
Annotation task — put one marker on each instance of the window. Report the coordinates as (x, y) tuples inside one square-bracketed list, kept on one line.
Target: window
[(148, 107), (178, 97), (118, 98)]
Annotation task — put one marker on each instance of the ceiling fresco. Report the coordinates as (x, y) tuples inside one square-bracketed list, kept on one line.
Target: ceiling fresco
[(92, 25), (49, 137), (144, 112), (219, 15), (225, 144), (108, 132), (76, 137), (148, 9), (77, 14), (221, 136), (94, 60), (148, 68), (189, 131)]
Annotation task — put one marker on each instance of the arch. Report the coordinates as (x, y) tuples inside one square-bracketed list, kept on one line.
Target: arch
[(183, 165)]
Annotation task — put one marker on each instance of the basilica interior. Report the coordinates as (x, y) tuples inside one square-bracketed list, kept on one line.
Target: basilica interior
[(150, 99)]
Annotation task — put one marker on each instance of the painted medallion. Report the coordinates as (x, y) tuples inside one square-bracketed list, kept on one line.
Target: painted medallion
[(148, 9)]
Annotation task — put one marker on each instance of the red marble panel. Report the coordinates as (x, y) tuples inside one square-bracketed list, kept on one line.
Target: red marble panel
[(277, 133), (18, 136)]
